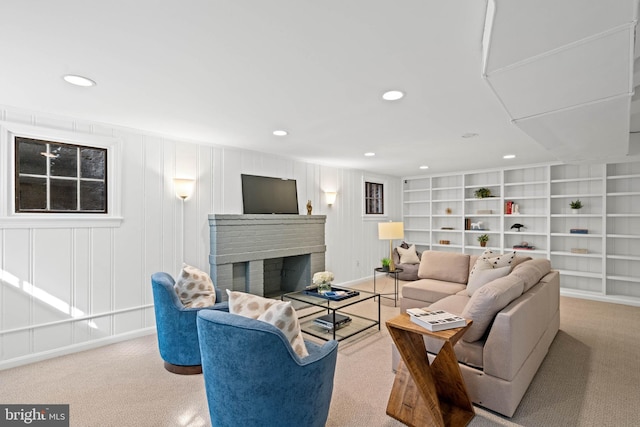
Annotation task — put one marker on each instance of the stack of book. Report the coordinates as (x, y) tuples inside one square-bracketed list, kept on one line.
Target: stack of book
[(326, 321), (436, 320)]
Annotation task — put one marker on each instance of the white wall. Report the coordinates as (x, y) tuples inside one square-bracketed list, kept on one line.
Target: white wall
[(68, 289)]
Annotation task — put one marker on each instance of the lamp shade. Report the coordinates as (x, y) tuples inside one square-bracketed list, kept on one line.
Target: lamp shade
[(183, 187), (330, 197), (390, 230)]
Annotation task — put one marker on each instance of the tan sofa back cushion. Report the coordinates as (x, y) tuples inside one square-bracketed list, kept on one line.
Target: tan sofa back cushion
[(446, 266), (532, 271), (487, 301)]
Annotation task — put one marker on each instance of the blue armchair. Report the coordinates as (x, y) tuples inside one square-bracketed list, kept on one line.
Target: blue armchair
[(176, 326), (253, 377)]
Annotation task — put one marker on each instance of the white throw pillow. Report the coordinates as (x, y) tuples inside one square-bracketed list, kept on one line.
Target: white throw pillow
[(408, 256), (195, 288), (278, 313)]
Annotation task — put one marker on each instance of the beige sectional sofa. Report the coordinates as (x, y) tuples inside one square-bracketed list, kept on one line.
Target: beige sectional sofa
[(515, 318)]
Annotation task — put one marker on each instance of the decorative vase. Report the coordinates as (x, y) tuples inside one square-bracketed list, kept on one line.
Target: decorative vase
[(324, 287)]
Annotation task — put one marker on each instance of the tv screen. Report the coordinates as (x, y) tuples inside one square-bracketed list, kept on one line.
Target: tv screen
[(267, 195)]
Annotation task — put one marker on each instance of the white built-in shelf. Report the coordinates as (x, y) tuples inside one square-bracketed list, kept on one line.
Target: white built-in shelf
[(576, 216), (609, 271), (581, 274), (624, 257), (438, 245), (581, 235), (511, 184), (525, 233), (565, 180), (587, 255), (574, 196), (625, 278)]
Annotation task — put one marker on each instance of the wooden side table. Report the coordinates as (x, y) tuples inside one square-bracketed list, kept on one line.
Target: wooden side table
[(426, 394)]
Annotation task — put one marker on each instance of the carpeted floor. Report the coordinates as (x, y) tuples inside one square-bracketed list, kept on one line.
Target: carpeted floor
[(589, 378)]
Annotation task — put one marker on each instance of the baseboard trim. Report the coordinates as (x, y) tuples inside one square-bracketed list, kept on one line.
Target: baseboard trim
[(75, 348)]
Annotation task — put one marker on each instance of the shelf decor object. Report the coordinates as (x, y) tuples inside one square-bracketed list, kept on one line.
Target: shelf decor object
[(390, 231), (482, 193), (575, 205)]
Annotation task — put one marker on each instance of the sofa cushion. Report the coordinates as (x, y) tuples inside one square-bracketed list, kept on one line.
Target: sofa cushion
[(195, 288), (278, 313), (430, 290), (484, 274), (487, 301), (532, 271), (445, 266), (408, 256)]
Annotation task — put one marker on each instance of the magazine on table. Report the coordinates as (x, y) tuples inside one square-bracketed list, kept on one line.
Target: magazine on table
[(435, 320)]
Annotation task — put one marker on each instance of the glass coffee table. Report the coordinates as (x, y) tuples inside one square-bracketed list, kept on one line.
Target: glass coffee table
[(310, 306)]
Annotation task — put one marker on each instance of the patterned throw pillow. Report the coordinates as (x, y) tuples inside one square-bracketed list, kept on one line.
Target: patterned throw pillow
[(278, 313), (408, 256), (489, 260), (195, 288)]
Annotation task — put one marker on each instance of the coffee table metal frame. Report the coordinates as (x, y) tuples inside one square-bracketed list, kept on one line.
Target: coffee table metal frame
[(326, 306)]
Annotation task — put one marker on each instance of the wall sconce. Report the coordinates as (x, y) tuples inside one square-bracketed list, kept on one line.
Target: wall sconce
[(330, 196), (183, 187)]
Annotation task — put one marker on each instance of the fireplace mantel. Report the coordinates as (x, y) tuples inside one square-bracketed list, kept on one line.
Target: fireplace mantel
[(240, 244)]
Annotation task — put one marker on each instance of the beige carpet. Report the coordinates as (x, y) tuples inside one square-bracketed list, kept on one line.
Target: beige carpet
[(589, 378)]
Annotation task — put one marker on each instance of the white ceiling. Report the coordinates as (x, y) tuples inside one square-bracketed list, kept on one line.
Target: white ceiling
[(554, 81)]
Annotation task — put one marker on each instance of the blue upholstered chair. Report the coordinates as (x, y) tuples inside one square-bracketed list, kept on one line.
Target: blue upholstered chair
[(176, 326), (253, 377)]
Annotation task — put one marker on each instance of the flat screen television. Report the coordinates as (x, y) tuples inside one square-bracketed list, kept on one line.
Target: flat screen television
[(268, 195)]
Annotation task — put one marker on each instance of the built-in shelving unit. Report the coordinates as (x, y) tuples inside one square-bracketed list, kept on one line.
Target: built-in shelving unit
[(596, 249)]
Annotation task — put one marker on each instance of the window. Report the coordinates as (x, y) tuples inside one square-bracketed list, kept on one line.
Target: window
[(57, 177), (373, 198)]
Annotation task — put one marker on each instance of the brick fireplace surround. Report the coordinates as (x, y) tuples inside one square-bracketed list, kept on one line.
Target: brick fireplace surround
[(265, 254)]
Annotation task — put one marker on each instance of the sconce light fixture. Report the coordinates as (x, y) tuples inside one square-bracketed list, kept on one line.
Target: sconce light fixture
[(330, 196), (183, 187)]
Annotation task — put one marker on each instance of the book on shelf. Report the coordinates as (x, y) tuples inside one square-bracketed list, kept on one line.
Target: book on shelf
[(579, 231), (435, 320)]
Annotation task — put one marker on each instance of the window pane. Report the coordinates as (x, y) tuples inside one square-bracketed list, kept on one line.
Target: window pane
[(63, 195), (92, 163), (29, 158), (92, 197), (66, 161), (32, 193)]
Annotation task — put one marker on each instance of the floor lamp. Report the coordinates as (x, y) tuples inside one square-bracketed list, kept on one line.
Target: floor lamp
[(390, 231)]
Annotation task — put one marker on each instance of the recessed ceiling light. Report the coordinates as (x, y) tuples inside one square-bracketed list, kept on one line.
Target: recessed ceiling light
[(469, 135), (78, 80), (369, 154), (280, 132), (509, 156), (424, 167), (392, 95)]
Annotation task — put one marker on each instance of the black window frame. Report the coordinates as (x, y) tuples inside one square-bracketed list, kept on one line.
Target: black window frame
[(78, 179), (373, 198)]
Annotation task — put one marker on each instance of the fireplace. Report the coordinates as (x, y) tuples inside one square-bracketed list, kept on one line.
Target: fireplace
[(265, 254)]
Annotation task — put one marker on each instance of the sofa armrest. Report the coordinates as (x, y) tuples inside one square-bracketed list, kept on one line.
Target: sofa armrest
[(518, 328)]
